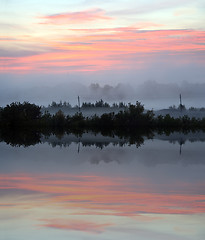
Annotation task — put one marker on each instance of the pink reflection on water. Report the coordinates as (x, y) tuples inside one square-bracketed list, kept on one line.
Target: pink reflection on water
[(98, 195), (75, 225)]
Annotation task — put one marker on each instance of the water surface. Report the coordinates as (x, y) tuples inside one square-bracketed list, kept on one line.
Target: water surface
[(87, 187)]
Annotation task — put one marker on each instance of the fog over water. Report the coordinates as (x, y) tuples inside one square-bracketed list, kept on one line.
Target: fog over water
[(153, 94)]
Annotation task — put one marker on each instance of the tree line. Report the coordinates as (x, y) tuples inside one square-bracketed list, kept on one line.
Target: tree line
[(132, 118), (97, 104)]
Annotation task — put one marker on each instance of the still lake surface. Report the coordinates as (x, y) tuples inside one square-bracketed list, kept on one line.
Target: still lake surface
[(95, 187)]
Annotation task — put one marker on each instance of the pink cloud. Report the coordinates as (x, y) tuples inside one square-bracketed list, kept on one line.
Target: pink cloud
[(76, 17), (76, 225), (109, 48)]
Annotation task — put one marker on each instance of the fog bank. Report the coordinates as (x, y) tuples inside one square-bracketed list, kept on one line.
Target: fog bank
[(152, 94)]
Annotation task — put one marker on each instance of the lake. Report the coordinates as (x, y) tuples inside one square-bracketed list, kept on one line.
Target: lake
[(96, 187)]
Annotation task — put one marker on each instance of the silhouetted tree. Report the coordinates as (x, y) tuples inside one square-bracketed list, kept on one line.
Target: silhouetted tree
[(18, 113), (59, 119)]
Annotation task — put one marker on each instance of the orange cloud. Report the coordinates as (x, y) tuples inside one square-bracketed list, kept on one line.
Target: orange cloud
[(105, 49), (76, 17)]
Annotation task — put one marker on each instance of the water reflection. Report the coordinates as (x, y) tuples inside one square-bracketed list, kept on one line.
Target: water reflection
[(109, 189), (99, 140), (64, 139), (20, 138)]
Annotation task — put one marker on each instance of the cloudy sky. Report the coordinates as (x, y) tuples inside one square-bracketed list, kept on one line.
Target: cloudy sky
[(47, 43)]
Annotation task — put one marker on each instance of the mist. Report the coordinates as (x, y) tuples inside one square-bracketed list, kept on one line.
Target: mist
[(152, 94)]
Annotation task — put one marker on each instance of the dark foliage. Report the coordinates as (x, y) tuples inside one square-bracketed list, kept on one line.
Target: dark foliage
[(132, 118), (20, 114), (17, 138)]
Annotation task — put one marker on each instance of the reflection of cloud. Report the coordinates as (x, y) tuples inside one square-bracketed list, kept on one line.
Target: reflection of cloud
[(109, 156), (75, 225), (95, 195)]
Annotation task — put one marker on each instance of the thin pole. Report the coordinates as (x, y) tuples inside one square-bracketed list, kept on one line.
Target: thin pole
[(78, 103), (180, 98)]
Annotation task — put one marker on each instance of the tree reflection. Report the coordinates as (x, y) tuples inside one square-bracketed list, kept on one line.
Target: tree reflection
[(98, 139), (28, 137), (17, 138)]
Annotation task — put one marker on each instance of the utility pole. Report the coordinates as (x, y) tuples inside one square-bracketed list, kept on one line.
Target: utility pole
[(78, 104), (180, 99), (79, 145)]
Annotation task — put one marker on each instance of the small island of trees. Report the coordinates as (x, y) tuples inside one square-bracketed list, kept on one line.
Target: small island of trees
[(25, 123), (131, 117)]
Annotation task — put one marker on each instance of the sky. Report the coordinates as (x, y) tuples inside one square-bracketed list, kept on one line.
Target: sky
[(51, 43)]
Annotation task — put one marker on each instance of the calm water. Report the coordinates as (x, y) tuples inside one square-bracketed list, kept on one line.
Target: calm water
[(103, 188)]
